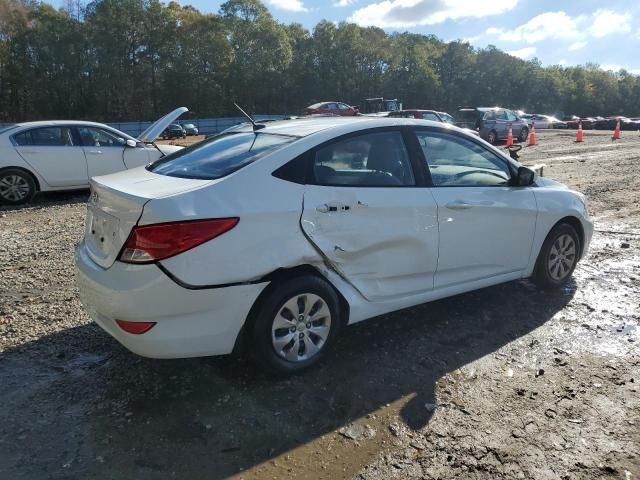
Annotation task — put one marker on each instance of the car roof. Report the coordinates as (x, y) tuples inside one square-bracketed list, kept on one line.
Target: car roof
[(303, 127), (52, 123)]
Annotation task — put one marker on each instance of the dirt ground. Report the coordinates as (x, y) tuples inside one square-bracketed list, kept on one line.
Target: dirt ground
[(507, 382)]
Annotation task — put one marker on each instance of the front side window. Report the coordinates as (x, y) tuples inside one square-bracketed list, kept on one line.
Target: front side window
[(342, 106), (455, 161), (501, 115), (332, 106), (219, 156), (98, 137), (511, 117), (490, 116), (45, 137), (430, 116), (374, 159)]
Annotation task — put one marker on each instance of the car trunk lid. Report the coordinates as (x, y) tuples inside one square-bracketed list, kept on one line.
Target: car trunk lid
[(116, 204)]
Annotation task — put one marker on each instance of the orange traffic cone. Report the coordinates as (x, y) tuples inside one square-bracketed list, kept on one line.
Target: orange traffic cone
[(616, 132), (510, 137), (579, 134), (532, 135)]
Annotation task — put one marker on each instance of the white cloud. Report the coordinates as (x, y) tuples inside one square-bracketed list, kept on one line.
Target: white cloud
[(614, 67), (560, 26), (556, 25), (289, 5), (523, 53), (577, 46), (411, 13), (606, 22), (343, 3), (562, 61)]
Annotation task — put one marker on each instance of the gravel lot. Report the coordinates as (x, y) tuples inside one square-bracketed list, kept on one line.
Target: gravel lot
[(507, 382)]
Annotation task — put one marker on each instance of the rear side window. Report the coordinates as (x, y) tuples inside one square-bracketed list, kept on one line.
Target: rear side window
[(219, 156), (44, 137), (369, 160)]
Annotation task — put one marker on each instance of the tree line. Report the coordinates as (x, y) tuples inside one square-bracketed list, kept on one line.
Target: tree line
[(118, 60)]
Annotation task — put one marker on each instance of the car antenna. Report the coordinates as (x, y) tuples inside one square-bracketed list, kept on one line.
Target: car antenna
[(256, 126)]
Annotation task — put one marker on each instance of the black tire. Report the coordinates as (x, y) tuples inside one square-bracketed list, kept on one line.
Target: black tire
[(17, 186), (260, 334), (524, 134), (544, 275), (492, 137)]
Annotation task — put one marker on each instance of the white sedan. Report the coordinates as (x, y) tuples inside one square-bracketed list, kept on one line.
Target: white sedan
[(543, 121), (64, 155), (273, 239)]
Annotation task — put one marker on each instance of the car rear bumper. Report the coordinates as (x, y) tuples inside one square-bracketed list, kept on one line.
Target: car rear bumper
[(190, 323)]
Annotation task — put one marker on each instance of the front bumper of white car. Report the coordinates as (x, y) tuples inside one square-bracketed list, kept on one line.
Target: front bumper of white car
[(189, 322)]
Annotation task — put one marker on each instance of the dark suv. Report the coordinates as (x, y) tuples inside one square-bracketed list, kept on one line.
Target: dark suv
[(493, 123), (174, 131)]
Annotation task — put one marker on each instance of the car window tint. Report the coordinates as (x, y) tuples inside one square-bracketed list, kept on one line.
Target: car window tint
[(490, 116), (373, 159), (430, 116), (501, 115), (332, 106), (456, 161), (220, 155), (97, 137), (511, 116), (342, 106), (49, 136)]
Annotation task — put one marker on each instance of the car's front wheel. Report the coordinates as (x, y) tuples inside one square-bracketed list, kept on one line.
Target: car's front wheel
[(294, 325), (16, 186), (558, 257)]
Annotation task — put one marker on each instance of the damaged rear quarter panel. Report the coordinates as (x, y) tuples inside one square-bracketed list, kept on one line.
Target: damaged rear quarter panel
[(266, 238)]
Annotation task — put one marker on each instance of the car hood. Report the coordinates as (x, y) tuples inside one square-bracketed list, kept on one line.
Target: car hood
[(156, 128), (167, 149), (547, 182)]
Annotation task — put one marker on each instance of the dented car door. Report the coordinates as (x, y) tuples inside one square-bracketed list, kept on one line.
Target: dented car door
[(365, 214)]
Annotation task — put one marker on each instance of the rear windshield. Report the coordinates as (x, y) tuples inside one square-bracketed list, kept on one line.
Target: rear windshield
[(468, 115), (219, 156)]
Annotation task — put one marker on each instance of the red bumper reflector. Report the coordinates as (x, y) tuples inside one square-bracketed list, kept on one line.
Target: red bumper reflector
[(135, 328)]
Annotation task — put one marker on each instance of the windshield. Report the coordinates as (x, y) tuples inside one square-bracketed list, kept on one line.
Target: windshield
[(219, 156), (447, 118), (188, 125)]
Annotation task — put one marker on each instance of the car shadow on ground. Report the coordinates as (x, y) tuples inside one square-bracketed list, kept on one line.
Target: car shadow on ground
[(48, 199), (82, 397)]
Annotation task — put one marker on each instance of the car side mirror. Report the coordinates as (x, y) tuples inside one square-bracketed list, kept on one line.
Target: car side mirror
[(525, 177), (131, 143)]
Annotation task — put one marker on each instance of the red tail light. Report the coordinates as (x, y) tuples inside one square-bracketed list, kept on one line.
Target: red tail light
[(150, 243), (136, 328)]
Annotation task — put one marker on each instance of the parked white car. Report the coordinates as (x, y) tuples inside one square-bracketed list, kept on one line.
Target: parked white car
[(543, 121), (64, 155), (274, 239)]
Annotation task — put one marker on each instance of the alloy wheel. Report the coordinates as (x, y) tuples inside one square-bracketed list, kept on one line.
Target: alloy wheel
[(301, 327), (562, 257), (14, 188)]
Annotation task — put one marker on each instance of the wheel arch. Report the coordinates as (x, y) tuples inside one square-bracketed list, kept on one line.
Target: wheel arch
[(276, 277), (577, 226), (27, 171)]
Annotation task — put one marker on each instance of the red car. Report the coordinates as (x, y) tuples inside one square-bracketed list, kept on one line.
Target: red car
[(332, 108)]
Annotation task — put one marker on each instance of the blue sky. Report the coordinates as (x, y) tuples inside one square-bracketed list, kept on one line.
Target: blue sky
[(556, 32)]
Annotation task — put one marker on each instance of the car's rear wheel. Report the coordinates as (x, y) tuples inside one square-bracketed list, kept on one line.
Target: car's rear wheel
[(16, 186), (492, 137), (558, 257), (295, 324), (524, 134)]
